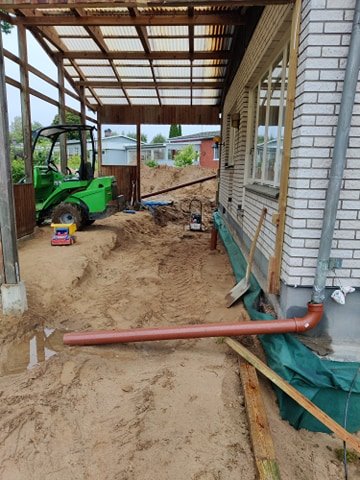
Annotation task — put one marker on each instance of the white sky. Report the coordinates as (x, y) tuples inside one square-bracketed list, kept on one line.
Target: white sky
[(43, 112)]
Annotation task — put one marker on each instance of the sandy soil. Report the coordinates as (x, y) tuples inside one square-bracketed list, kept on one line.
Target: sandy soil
[(142, 411)]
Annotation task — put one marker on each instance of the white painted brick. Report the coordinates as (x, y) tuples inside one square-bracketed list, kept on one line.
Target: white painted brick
[(323, 40), (335, 52), (332, 75), (326, 15), (348, 4)]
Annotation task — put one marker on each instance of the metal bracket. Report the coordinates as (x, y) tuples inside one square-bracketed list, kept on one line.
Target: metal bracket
[(334, 263)]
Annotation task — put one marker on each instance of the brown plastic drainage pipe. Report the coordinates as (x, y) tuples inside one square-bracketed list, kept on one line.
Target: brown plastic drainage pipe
[(288, 325)]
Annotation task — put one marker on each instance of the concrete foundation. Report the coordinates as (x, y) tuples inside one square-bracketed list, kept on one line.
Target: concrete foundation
[(13, 298)]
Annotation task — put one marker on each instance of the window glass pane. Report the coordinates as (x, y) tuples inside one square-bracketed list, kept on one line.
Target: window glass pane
[(261, 127)]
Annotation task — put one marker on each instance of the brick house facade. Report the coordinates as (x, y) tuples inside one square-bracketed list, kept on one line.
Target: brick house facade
[(323, 47)]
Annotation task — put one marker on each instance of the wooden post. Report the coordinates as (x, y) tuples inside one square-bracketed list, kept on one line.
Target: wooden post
[(25, 103), (99, 146), (7, 215), (83, 122), (213, 238), (62, 115), (138, 162), (275, 262)]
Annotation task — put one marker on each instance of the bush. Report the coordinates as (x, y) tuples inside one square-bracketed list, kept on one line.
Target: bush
[(151, 164), (18, 170), (186, 156)]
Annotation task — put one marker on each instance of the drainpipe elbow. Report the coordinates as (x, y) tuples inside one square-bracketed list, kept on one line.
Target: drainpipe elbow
[(311, 319)]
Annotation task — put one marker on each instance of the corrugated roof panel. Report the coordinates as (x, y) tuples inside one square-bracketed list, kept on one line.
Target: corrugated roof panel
[(167, 10), (169, 44), (107, 10), (113, 101), (202, 72), (175, 101), (206, 92), (134, 72), (210, 63), (203, 44), (170, 63), (71, 71), (92, 100), (144, 101), (141, 92), (89, 61), (71, 31), (50, 45), (109, 92), (131, 62), (76, 44), (168, 31), (88, 92), (56, 11), (124, 44), (98, 71), (172, 72), (206, 101), (181, 92), (121, 31)]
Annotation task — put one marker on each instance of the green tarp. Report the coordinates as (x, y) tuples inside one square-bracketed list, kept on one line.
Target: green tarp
[(326, 383)]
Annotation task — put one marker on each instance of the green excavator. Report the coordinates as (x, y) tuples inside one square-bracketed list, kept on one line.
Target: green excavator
[(77, 196)]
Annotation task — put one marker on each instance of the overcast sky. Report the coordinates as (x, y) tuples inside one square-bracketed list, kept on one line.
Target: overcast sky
[(43, 112)]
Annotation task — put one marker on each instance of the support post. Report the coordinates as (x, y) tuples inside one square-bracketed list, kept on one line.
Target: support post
[(138, 162), (12, 290), (83, 122), (62, 115), (25, 103), (99, 146)]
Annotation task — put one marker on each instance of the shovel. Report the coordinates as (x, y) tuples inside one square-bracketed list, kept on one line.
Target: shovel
[(244, 284)]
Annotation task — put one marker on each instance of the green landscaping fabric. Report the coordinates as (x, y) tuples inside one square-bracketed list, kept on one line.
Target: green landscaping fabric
[(324, 382)]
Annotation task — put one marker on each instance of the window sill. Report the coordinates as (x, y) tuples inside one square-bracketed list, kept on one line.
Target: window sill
[(264, 190)]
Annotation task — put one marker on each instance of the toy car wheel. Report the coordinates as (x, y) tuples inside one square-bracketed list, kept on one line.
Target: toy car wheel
[(67, 213)]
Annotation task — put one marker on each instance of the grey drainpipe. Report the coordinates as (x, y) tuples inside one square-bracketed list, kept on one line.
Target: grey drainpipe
[(339, 159)]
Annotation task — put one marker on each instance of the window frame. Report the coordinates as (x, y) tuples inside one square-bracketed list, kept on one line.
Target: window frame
[(253, 123)]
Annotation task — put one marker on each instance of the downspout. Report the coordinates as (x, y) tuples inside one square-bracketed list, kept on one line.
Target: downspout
[(339, 159), (315, 307)]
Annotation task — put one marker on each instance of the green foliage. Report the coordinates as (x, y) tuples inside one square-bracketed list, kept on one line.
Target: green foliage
[(175, 131), (151, 163), (351, 456), (143, 137), (15, 130), (186, 156), (158, 139), (17, 169), (74, 162), (5, 27)]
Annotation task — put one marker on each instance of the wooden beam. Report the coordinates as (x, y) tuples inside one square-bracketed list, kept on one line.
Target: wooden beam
[(62, 115), (260, 434), (274, 271), (219, 55), (299, 398), (25, 103), (156, 115), (99, 145), (138, 163), (8, 241), (45, 4), (231, 18)]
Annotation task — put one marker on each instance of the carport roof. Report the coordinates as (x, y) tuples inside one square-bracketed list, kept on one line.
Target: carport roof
[(143, 53)]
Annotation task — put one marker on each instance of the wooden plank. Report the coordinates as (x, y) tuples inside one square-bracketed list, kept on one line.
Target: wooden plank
[(309, 406), (274, 271), (156, 115), (262, 444), (25, 103), (138, 162), (232, 18), (125, 176), (24, 197)]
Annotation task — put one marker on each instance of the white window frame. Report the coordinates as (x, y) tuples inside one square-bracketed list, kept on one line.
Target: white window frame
[(253, 121)]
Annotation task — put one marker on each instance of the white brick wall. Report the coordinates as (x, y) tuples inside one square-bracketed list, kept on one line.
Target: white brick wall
[(324, 40), (273, 25)]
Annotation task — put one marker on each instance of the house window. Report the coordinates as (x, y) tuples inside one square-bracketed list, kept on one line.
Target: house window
[(268, 115), (232, 138), (216, 151)]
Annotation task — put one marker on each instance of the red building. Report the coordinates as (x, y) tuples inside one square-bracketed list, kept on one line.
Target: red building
[(203, 144)]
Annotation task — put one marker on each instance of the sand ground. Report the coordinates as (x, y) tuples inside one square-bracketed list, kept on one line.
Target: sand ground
[(150, 411)]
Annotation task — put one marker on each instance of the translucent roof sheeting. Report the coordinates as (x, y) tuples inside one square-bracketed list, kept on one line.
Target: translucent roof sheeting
[(159, 55)]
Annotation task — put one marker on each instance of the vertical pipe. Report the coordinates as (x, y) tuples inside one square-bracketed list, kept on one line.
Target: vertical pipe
[(339, 158), (7, 210), (25, 103), (138, 162)]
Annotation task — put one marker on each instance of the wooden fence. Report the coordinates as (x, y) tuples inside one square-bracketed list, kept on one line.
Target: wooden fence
[(125, 176), (24, 197)]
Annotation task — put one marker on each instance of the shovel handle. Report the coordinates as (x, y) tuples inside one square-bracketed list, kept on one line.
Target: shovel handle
[(253, 244)]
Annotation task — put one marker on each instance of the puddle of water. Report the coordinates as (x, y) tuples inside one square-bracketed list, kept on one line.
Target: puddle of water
[(31, 350)]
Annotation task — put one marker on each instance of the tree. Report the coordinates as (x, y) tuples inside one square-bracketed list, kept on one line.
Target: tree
[(175, 131), (158, 139), (143, 137), (15, 130), (186, 156), (5, 27), (70, 119)]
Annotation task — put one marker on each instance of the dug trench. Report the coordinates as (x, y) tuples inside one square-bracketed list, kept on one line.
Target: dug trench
[(128, 412)]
